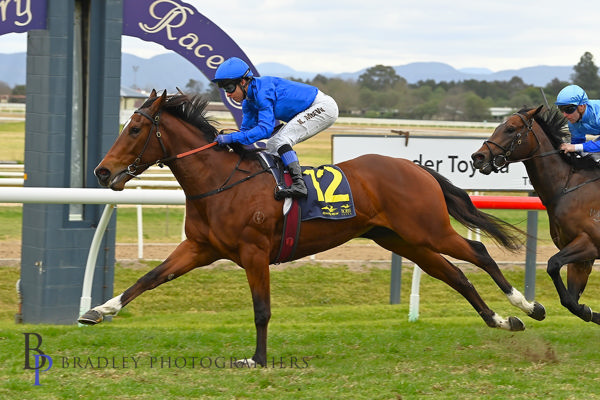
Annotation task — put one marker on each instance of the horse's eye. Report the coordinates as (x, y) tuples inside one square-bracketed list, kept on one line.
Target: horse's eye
[(510, 129), (134, 130)]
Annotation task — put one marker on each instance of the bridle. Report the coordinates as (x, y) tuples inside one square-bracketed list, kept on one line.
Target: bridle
[(500, 160), (135, 165)]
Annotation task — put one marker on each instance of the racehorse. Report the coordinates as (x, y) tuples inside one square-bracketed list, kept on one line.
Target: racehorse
[(231, 212), (567, 187)]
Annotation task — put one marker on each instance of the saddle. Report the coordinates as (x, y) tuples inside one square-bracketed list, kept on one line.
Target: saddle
[(329, 197), (585, 161)]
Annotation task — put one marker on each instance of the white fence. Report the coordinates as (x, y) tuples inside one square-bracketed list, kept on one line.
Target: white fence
[(12, 175), (46, 195), (156, 177)]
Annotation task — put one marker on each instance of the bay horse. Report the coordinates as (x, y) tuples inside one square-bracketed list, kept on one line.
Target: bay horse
[(568, 188), (231, 213)]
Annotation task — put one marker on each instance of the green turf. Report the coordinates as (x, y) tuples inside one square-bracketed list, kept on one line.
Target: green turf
[(332, 336)]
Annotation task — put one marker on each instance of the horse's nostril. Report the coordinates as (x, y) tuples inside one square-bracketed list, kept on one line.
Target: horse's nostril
[(100, 172), (478, 157)]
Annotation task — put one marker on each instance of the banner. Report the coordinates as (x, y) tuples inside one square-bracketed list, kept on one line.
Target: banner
[(450, 156), (181, 28), (22, 15)]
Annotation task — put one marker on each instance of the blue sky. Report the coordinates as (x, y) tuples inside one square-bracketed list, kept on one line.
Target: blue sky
[(346, 36)]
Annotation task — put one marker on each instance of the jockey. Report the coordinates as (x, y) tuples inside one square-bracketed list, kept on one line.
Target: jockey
[(267, 100), (583, 116)]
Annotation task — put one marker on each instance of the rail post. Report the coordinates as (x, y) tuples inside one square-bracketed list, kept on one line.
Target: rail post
[(530, 252), (396, 279)]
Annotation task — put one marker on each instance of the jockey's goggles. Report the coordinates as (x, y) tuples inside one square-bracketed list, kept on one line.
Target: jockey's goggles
[(568, 108), (229, 86)]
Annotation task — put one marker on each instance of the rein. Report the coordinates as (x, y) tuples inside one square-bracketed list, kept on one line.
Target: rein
[(225, 186), (133, 167), (500, 160), (516, 142), (566, 190)]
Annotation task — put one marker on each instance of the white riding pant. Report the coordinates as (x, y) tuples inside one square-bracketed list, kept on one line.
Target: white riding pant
[(321, 114)]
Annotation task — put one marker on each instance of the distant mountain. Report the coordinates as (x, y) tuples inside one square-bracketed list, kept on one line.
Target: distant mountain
[(480, 71), (170, 70), (277, 69), (165, 71), (421, 71)]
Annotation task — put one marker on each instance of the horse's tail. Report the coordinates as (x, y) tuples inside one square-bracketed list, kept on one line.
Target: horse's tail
[(461, 208)]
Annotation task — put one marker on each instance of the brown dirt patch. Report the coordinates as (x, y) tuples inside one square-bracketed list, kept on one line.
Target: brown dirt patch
[(351, 253)]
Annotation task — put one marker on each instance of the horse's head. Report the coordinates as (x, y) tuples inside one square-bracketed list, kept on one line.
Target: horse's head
[(513, 140), (134, 150)]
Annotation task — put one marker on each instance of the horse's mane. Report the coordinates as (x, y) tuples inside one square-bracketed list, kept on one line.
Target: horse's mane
[(192, 109), (554, 125)]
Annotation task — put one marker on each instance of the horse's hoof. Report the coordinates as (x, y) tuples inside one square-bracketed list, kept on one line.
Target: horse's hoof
[(245, 363), (596, 318), (539, 312), (586, 313), (516, 324), (92, 317)]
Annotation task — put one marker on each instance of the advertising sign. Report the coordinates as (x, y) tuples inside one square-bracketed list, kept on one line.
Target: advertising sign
[(450, 156)]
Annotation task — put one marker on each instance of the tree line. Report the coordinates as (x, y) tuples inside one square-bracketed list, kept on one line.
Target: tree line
[(381, 92)]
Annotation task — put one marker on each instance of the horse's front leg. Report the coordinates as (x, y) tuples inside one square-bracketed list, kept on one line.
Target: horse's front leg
[(257, 273), (187, 256), (577, 277), (579, 249)]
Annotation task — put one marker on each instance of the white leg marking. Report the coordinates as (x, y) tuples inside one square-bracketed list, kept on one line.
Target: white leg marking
[(501, 322), (111, 307), (518, 300), (246, 362)]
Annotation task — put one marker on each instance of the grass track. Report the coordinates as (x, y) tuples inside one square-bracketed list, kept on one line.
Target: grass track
[(332, 336)]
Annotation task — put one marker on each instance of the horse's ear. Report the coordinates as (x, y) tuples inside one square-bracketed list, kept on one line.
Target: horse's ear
[(537, 110), (153, 93), (158, 102)]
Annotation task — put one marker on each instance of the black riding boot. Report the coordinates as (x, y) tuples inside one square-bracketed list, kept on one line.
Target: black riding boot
[(298, 188)]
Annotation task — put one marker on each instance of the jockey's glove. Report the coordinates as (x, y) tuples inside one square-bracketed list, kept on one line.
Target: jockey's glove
[(224, 140)]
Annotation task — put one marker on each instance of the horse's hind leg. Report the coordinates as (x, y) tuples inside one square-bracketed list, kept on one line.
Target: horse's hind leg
[(184, 258), (440, 268), (475, 252)]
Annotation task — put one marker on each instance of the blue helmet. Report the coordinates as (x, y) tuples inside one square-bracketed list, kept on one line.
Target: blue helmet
[(571, 94), (232, 68)]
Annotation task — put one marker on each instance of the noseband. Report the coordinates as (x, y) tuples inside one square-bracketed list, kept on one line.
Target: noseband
[(135, 165), (500, 160)]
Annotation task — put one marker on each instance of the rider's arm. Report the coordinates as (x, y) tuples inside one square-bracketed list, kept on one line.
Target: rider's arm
[(591, 146)]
